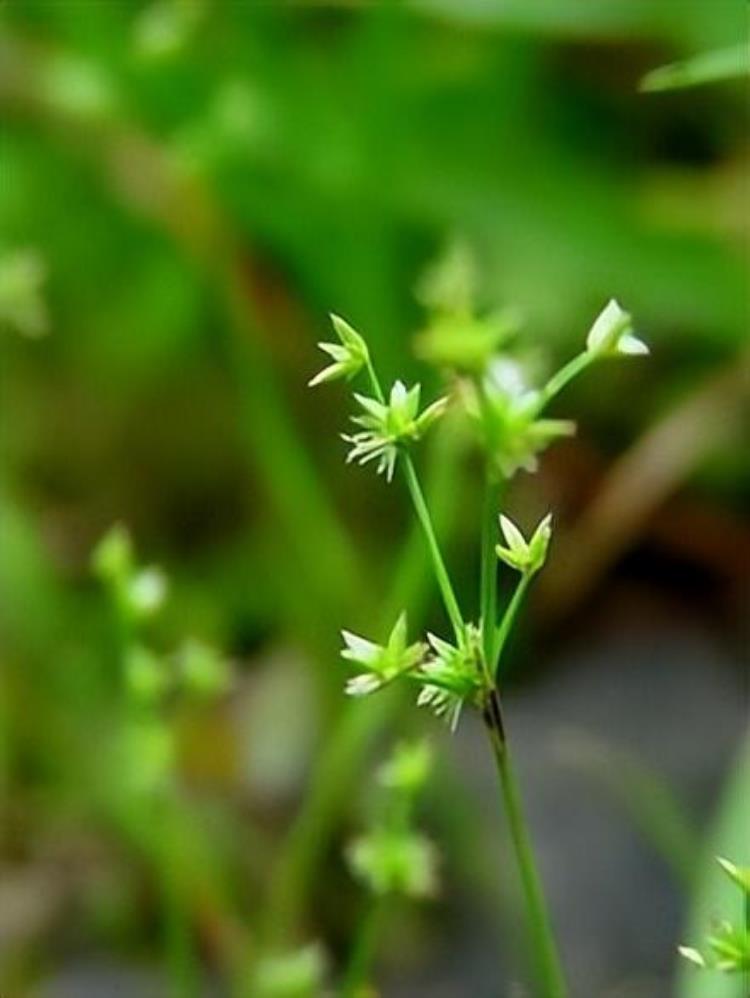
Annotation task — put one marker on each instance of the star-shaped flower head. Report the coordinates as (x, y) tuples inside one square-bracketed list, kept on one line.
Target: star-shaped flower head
[(349, 356), (612, 333), (506, 414), (451, 676), (381, 663), (525, 556), (386, 427)]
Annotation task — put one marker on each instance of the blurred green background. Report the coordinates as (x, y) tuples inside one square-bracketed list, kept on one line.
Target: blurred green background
[(186, 190)]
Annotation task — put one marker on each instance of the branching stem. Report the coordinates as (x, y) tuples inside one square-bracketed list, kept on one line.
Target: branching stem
[(494, 636), (505, 626)]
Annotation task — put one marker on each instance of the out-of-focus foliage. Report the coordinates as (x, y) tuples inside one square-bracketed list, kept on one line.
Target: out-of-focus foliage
[(188, 189), (708, 67)]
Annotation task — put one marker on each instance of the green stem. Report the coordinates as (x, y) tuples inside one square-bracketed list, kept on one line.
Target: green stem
[(551, 980), (375, 382), (506, 624), (494, 639), (488, 587), (364, 950), (566, 374), (423, 515), (441, 572), (181, 959)]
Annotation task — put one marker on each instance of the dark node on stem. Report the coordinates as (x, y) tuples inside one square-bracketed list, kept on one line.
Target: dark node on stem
[(493, 714)]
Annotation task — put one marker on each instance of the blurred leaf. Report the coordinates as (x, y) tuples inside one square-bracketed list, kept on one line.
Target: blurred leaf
[(708, 67)]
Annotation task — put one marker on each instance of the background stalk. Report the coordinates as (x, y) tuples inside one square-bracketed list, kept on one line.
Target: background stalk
[(364, 949)]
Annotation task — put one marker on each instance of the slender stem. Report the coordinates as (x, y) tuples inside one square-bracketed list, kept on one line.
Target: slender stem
[(551, 980), (504, 627), (178, 938), (566, 374), (364, 950), (423, 515), (375, 382), (441, 572), (488, 586)]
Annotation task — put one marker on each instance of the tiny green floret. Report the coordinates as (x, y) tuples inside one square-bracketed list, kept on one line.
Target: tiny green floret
[(349, 356), (507, 415), (112, 559), (525, 556), (407, 769), (381, 663), (395, 861), (452, 676), (612, 333), (388, 426)]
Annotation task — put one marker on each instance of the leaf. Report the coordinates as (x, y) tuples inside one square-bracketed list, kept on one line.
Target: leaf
[(708, 67)]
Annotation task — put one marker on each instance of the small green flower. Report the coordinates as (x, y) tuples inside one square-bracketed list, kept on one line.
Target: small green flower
[(525, 556), (349, 356), (395, 861), (112, 559), (204, 672), (728, 950), (449, 284), (506, 414), (146, 591), (145, 674), (386, 427), (612, 333), (382, 663), (728, 946), (451, 676), (408, 767), (296, 974), (137, 592), (465, 343), (22, 305)]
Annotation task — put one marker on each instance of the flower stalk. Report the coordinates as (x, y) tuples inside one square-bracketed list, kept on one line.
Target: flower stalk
[(507, 416)]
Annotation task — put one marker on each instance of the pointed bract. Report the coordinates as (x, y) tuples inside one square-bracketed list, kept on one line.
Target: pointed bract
[(525, 556), (612, 333), (739, 874), (349, 357), (381, 663), (691, 954)]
